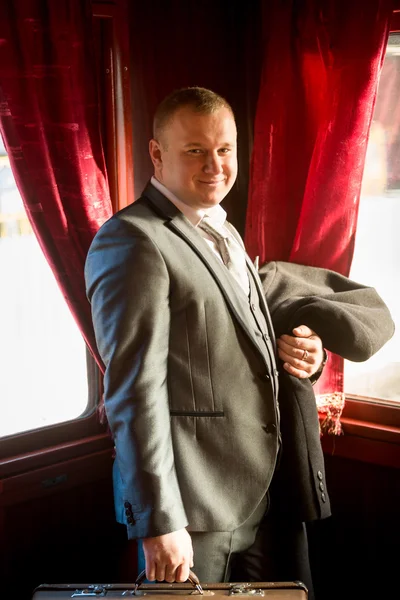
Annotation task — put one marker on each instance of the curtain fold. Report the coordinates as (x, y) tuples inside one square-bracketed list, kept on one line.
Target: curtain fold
[(49, 120), (322, 61)]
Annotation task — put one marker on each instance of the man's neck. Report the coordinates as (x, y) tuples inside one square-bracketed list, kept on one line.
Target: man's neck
[(194, 215)]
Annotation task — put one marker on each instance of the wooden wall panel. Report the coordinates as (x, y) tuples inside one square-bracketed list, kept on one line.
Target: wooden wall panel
[(64, 532), (356, 552)]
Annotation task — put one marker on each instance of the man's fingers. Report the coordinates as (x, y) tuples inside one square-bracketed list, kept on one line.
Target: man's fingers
[(150, 570), (295, 349), (170, 573), (297, 342), (296, 363), (300, 374), (302, 352), (168, 556), (303, 331), (160, 572), (182, 572), (166, 553)]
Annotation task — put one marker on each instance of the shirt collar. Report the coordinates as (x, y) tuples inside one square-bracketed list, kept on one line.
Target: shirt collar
[(194, 215)]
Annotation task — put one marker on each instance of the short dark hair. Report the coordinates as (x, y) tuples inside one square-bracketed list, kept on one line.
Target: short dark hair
[(199, 99)]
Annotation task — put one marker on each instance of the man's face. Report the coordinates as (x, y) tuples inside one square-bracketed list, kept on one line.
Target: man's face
[(196, 156)]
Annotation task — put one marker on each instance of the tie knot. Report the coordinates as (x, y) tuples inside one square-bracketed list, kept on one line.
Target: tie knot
[(212, 228), (231, 252)]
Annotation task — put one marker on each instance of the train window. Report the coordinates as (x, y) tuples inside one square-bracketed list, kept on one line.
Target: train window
[(42, 353), (377, 248)]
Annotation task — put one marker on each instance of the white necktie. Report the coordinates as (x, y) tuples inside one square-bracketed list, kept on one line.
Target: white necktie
[(232, 253)]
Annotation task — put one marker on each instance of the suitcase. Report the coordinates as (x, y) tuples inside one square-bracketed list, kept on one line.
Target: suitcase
[(290, 590)]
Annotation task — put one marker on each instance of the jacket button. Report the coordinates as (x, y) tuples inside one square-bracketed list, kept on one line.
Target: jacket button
[(266, 337), (130, 520), (319, 475), (323, 497), (321, 486), (128, 512), (127, 504), (253, 307)]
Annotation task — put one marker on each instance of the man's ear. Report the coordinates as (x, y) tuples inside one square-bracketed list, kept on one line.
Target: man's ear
[(155, 154)]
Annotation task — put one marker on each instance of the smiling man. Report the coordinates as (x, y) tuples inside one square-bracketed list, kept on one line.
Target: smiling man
[(191, 379), (194, 155)]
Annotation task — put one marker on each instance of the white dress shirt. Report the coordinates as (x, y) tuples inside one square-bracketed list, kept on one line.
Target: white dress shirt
[(195, 215)]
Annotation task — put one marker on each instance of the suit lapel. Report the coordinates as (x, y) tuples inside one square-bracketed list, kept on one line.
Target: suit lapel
[(233, 294)]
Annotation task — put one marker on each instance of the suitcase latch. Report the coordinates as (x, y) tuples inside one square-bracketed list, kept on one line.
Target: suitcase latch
[(93, 591), (245, 589)]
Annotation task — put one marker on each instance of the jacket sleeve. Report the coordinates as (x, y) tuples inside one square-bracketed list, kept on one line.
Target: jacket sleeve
[(128, 287), (352, 319)]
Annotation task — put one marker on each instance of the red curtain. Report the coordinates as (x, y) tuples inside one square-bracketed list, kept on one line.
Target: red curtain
[(49, 121), (322, 60)]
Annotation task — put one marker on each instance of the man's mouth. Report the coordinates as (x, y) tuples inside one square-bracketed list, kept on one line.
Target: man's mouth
[(212, 182)]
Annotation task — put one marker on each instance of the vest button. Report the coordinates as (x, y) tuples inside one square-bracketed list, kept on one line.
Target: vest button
[(270, 428), (264, 376), (266, 337), (253, 307)]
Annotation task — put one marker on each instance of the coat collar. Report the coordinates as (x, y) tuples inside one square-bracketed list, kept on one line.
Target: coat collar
[(232, 292)]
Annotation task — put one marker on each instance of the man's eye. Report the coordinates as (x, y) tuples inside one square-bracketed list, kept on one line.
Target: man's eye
[(195, 151), (224, 150)]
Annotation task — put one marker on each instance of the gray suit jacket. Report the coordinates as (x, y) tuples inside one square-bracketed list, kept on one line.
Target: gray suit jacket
[(190, 388)]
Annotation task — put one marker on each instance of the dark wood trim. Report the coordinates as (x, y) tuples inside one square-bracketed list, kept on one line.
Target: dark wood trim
[(375, 431), (376, 452), (62, 476), (372, 410), (395, 22), (21, 463), (109, 111), (118, 105), (124, 119), (28, 442)]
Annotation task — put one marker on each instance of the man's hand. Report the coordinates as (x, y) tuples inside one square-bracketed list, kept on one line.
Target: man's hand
[(168, 557), (302, 353)]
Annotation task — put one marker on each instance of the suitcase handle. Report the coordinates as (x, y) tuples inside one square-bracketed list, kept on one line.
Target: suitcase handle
[(194, 580)]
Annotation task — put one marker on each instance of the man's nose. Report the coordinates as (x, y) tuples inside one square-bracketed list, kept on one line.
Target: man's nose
[(213, 164)]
